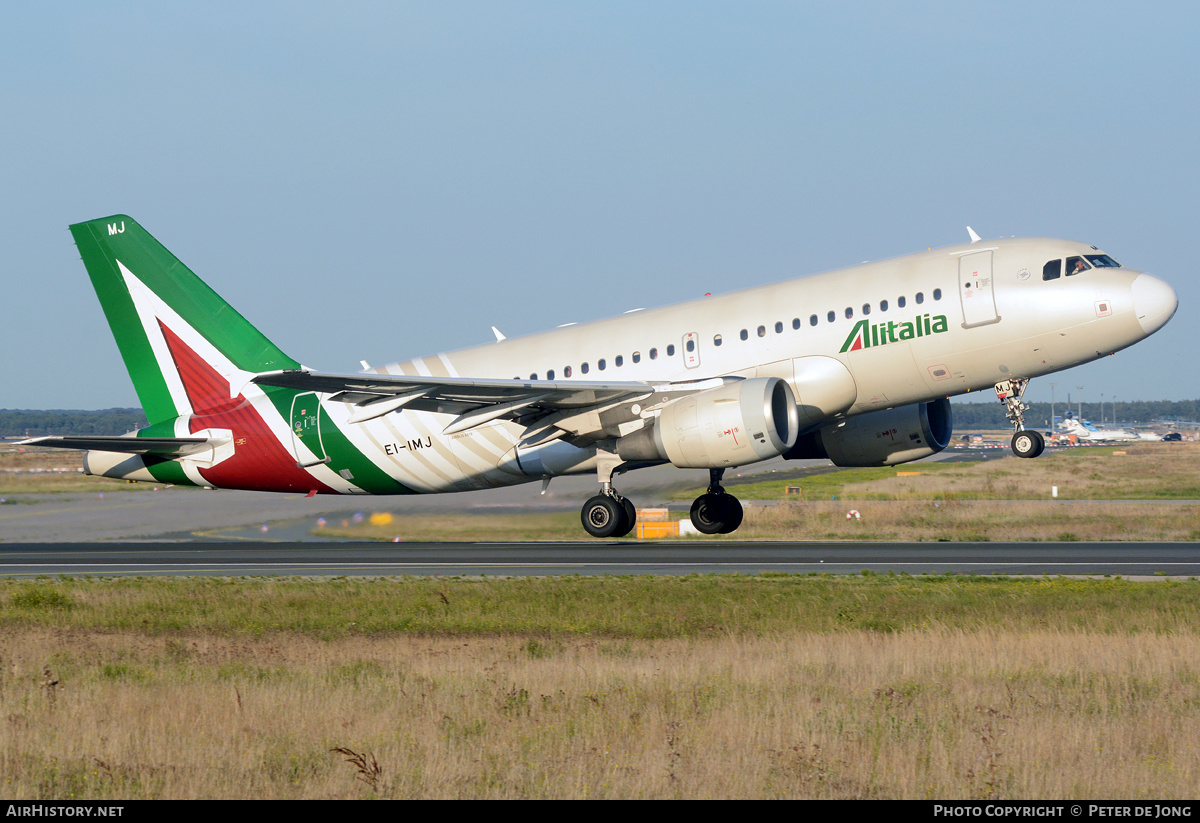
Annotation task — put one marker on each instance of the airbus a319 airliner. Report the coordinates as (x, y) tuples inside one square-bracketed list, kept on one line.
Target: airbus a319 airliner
[(854, 365)]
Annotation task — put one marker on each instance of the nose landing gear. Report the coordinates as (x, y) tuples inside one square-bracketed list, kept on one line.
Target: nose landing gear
[(1024, 443)]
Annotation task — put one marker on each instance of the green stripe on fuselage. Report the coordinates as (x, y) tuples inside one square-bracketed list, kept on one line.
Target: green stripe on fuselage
[(343, 455)]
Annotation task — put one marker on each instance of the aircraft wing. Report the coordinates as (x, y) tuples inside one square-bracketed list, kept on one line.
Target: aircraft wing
[(585, 410), (159, 446)]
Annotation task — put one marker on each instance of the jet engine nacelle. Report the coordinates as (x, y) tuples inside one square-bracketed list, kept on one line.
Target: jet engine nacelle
[(880, 438), (732, 425)]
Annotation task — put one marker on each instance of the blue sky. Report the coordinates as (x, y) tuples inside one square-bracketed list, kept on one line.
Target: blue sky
[(381, 181)]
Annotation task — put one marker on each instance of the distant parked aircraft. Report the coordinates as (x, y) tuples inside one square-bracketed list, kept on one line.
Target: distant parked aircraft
[(1086, 431)]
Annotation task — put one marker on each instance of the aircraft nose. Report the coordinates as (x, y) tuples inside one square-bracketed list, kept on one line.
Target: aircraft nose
[(1154, 302)]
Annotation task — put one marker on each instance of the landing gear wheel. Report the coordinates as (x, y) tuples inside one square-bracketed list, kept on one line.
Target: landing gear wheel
[(604, 516), (630, 518), (716, 513), (735, 515), (1028, 444)]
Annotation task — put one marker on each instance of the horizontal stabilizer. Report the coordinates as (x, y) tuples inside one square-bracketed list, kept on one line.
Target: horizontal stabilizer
[(158, 446)]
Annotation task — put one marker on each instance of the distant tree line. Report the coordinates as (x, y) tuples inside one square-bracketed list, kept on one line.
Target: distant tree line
[(967, 416), (40, 422), (1133, 413)]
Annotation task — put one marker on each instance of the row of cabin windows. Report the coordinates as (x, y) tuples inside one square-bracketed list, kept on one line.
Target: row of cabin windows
[(813, 320), (618, 361), (831, 316)]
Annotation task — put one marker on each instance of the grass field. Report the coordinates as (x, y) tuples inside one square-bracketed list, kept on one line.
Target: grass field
[(38, 471), (779, 687), (1137, 471)]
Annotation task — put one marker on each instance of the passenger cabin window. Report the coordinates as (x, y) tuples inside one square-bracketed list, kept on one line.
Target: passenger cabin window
[(812, 321), (778, 327), (619, 360), (762, 331), (796, 323), (671, 350), (637, 357), (745, 335), (600, 364), (1052, 270), (849, 312), (583, 368), (716, 339), (937, 294), (920, 297), (900, 302), (550, 374), (883, 305), (654, 354), (866, 308), (567, 371), (832, 316)]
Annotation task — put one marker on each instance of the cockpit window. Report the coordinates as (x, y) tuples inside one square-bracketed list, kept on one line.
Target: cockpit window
[(1103, 261), (1076, 265), (1052, 270)]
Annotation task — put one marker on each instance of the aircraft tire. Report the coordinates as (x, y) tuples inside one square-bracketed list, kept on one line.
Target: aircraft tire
[(604, 516), (711, 513), (630, 518), (735, 515), (1028, 444)]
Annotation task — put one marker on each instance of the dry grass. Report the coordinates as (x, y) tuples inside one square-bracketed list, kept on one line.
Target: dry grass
[(38, 471), (1135, 471), (972, 520), (932, 713)]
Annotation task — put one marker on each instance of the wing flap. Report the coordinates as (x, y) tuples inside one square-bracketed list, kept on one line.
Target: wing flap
[(583, 410), (357, 388)]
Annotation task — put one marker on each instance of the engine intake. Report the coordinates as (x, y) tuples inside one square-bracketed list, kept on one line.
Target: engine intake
[(880, 438), (738, 423)]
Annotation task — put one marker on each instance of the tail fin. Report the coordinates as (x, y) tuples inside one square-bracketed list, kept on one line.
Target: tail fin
[(172, 329), (191, 357)]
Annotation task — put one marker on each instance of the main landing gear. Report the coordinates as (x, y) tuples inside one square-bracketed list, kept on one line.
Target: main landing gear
[(608, 514), (1024, 443), (716, 511)]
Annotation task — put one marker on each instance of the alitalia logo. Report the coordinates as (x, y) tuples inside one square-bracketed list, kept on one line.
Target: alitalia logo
[(866, 334)]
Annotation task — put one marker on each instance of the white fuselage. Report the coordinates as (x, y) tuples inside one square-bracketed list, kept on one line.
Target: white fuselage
[(938, 323)]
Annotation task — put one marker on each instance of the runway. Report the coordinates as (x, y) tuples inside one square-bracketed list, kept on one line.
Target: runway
[(189, 532), (285, 558)]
